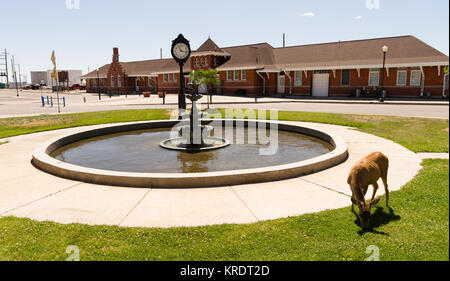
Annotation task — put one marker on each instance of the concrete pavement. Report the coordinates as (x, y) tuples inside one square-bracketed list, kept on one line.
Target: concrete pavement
[(28, 192), (29, 103)]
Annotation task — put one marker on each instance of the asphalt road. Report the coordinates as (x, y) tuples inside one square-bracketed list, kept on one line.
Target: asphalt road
[(29, 103)]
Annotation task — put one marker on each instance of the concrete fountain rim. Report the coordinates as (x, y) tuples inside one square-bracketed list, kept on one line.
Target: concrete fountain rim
[(42, 160)]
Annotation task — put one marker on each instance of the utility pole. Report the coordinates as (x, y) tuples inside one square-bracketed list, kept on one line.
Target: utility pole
[(13, 67), (4, 72), (20, 79)]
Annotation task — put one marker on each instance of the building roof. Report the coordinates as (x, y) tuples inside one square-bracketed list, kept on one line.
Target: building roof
[(147, 67), (403, 51), (209, 48), (102, 73), (256, 56)]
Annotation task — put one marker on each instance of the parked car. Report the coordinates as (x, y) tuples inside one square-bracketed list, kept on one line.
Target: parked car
[(77, 87)]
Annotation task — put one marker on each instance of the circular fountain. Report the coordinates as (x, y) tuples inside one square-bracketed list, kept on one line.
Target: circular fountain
[(182, 153), (194, 137), (130, 154)]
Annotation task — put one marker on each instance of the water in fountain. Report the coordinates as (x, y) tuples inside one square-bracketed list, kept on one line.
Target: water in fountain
[(194, 136)]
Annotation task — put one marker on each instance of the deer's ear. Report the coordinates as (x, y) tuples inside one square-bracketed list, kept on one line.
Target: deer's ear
[(375, 201)]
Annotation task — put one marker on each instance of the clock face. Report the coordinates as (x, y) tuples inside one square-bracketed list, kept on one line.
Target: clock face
[(181, 51)]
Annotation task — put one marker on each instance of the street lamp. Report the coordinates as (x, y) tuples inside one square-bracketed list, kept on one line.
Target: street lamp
[(98, 85), (385, 50)]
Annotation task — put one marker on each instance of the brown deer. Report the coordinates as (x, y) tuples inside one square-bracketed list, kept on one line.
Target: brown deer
[(366, 172)]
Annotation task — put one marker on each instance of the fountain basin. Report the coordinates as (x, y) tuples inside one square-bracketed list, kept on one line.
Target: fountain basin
[(210, 143), (43, 160)]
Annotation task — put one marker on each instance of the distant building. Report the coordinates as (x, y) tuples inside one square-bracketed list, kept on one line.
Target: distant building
[(38, 76), (46, 76), (339, 69)]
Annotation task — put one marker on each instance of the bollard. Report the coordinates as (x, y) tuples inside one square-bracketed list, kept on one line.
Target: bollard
[(64, 101), (43, 101), (48, 101), (84, 99), (51, 101), (164, 98)]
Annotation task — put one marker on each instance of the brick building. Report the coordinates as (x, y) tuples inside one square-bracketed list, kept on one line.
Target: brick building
[(339, 69)]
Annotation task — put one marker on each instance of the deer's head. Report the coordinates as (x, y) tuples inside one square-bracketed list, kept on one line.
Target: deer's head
[(364, 211)]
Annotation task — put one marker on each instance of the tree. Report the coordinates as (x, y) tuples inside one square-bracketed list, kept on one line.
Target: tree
[(209, 78)]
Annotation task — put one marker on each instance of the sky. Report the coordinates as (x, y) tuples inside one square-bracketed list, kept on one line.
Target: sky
[(83, 35)]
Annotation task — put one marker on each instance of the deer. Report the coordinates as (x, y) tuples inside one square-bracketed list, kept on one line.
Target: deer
[(366, 172)]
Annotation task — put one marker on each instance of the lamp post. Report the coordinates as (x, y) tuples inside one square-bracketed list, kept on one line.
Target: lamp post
[(98, 85), (385, 50)]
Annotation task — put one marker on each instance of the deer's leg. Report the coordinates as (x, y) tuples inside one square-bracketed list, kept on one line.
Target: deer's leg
[(375, 188), (386, 190), (352, 209)]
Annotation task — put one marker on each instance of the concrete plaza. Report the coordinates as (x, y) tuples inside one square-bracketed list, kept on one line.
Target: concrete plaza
[(29, 103), (28, 192)]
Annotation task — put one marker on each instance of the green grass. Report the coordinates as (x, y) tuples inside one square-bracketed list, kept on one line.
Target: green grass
[(416, 134), (416, 229), (26, 125)]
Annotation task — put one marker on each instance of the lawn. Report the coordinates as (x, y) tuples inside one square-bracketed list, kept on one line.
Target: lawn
[(417, 228), (416, 134), (26, 125)]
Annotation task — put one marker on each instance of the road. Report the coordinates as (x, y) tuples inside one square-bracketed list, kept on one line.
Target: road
[(29, 103)]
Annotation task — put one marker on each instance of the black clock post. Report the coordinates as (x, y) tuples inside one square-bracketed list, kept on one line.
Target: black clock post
[(181, 51)]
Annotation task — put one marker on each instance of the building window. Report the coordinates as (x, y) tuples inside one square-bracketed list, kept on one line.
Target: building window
[(119, 82), (174, 77), (374, 77), (229, 75), (170, 77), (202, 61), (345, 77), (165, 78), (206, 62), (243, 75), (112, 81), (416, 76), (298, 78), (236, 75), (401, 78)]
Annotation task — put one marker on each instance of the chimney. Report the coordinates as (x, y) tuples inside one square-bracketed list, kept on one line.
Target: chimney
[(284, 40), (115, 54)]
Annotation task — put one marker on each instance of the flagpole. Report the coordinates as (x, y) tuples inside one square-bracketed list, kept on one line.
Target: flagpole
[(57, 90), (56, 79)]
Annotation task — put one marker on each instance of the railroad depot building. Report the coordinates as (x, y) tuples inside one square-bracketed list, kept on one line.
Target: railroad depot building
[(340, 69)]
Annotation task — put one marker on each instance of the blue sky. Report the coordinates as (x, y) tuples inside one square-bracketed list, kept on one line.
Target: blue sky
[(84, 37)]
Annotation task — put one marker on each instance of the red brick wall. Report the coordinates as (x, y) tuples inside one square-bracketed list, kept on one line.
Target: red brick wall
[(252, 85), (304, 89), (170, 87)]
